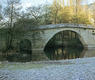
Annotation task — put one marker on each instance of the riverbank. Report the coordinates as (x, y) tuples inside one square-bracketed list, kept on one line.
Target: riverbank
[(75, 69)]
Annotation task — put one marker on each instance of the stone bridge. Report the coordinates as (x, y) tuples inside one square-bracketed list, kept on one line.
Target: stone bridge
[(39, 36)]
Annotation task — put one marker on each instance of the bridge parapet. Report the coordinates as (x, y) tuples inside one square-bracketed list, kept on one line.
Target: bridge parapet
[(66, 25)]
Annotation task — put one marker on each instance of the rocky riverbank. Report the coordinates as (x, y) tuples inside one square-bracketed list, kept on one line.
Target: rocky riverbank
[(75, 69)]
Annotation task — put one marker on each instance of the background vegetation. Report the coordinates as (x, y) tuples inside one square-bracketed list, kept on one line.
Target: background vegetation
[(13, 19)]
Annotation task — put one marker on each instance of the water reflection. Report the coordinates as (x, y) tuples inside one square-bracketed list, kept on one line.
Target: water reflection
[(19, 58), (16, 57), (57, 53)]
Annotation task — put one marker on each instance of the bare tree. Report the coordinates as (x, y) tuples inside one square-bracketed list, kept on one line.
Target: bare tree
[(11, 13), (35, 13), (1, 13)]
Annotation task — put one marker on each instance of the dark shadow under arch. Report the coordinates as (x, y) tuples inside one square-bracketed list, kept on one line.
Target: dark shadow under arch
[(64, 45), (65, 36), (25, 46), (25, 52)]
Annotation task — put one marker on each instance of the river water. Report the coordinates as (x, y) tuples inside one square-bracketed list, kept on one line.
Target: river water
[(52, 53), (58, 53)]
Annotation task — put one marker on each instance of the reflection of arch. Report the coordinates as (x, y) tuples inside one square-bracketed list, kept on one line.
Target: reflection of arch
[(25, 46), (72, 30)]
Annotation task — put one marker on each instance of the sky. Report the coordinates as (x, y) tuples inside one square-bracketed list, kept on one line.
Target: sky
[(37, 2), (28, 3)]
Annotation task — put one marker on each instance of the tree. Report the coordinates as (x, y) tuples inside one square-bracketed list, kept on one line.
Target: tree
[(1, 13), (65, 15), (35, 13), (46, 16), (92, 8), (73, 12), (55, 7), (82, 18), (11, 13)]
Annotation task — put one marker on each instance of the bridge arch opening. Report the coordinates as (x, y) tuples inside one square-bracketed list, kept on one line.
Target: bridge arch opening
[(60, 45), (24, 54), (25, 46)]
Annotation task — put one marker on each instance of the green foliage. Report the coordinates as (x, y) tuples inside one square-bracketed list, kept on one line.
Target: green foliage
[(56, 13), (81, 19), (66, 15), (73, 12), (18, 21)]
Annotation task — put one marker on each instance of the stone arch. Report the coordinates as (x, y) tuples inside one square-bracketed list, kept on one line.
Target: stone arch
[(81, 38), (25, 46)]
